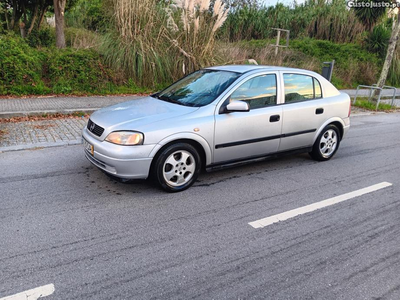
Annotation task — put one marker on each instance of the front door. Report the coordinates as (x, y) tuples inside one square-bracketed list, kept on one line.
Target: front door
[(240, 135)]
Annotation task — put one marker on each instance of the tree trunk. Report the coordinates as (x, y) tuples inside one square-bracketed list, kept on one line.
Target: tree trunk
[(33, 21), (389, 53), (14, 14), (59, 8), (7, 20), (42, 13)]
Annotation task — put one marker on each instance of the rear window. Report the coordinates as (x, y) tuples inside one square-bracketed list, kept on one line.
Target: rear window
[(300, 87)]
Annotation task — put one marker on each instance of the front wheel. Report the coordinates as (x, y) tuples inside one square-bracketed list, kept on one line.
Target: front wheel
[(326, 144), (177, 167)]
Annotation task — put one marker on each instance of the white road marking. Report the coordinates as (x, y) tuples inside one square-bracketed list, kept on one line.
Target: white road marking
[(309, 208), (33, 294)]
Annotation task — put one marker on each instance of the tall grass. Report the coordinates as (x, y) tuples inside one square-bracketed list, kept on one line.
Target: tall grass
[(135, 44), (192, 28), (155, 42), (318, 19)]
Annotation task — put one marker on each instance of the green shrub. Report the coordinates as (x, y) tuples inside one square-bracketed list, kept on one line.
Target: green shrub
[(76, 71), (42, 38), (378, 39), (87, 14), (25, 70), (353, 64), (20, 67)]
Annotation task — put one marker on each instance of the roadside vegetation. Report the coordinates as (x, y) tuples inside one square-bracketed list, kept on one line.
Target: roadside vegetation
[(135, 46), (371, 105)]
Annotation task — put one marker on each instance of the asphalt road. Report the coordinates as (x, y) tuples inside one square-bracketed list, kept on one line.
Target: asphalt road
[(63, 222)]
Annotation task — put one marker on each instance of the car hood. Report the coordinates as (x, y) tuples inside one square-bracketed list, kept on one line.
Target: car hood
[(132, 115)]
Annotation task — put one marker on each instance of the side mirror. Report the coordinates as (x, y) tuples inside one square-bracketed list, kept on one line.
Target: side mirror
[(237, 106)]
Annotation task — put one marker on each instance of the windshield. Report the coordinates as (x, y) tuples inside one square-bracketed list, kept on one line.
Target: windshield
[(199, 88)]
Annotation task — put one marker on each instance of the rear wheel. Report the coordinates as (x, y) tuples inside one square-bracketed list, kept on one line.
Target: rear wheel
[(177, 167), (326, 144)]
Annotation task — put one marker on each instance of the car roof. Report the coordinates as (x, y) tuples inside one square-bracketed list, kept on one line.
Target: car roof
[(248, 68)]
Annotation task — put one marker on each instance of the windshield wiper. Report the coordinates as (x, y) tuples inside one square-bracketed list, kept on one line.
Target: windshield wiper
[(168, 99)]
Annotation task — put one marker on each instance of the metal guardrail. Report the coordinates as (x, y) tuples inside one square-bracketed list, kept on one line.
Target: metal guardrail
[(375, 87), (388, 88), (371, 87)]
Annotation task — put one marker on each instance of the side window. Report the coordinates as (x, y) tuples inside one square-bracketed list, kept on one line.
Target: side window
[(317, 89), (298, 87), (259, 91)]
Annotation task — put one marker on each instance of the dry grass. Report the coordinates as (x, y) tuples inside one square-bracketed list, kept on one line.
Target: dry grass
[(157, 43), (231, 53), (82, 38)]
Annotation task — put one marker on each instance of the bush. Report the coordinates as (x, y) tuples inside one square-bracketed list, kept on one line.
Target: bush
[(42, 38), (20, 67), (25, 71), (87, 14), (378, 39), (76, 71)]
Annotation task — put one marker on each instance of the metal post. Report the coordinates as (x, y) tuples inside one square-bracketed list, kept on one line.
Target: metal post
[(278, 37)]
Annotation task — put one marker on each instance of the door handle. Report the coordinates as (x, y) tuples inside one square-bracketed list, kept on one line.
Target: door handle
[(319, 111), (275, 118)]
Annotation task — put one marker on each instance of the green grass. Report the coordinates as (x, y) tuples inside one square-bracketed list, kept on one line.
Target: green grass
[(371, 105)]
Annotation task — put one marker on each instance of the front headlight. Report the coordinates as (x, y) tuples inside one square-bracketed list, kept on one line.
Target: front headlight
[(126, 138)]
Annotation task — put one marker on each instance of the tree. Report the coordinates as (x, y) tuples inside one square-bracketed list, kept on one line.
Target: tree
[(369, 16), (389, 54), (59, 10), (32, 11)]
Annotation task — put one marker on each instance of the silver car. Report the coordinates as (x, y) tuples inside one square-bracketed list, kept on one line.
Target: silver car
[(218, 117)]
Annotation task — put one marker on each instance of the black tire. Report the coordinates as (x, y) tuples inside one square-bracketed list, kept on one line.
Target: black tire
[(331, 135), (161, 167)]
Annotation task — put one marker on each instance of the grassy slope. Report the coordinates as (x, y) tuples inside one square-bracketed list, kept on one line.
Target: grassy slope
[(26, 70)]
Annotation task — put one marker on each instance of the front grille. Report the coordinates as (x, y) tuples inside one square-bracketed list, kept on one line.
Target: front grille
[(94, 128)]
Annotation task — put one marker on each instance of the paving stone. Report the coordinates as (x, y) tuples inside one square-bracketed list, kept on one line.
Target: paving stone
[(36, 133)]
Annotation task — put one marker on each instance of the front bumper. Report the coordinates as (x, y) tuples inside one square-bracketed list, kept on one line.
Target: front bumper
[(130, 162)]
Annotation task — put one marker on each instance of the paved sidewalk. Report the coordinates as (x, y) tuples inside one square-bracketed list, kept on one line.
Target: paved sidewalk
[(40, 134), (37, 106)]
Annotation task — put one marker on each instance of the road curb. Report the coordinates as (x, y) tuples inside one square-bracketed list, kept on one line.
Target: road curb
[(40, 145), (9, 114)]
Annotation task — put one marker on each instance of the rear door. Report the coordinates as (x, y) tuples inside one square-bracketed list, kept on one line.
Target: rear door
[(303, 110), (240, 135)]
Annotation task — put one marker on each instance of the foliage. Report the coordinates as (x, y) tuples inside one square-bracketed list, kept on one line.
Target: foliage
[(26, 70), (20, 67), (87, 14), (370, 16), (353, 64), (80, 38), (3, 23), (76, 70), (192, 31), (156, 44), (370, 105), (44, 37), (378, 39), (333, 21), (318, 19)]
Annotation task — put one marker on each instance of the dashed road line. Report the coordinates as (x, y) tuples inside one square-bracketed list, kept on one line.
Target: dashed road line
[(33, 294), (318, 205)]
